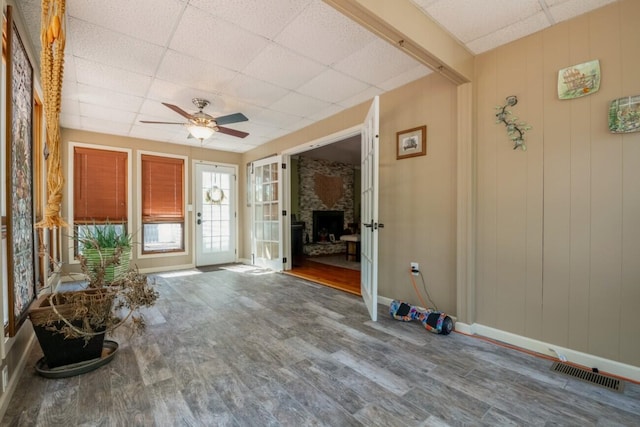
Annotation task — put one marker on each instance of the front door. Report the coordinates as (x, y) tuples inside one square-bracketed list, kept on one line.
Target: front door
[(369, 200), (215, 214), (267, 207)]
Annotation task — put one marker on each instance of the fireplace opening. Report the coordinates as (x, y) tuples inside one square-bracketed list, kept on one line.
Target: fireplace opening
[(326, 223)]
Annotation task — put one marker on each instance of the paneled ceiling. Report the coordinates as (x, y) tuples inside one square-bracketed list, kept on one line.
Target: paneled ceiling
[(283, 63)]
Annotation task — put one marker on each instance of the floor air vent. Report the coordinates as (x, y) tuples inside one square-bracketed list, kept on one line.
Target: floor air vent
[(589, 376)]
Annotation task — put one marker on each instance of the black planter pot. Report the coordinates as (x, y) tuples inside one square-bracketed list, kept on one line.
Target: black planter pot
[(58, 350)]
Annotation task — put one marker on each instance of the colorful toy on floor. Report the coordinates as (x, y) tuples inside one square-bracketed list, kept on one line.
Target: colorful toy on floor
[(434, 321)]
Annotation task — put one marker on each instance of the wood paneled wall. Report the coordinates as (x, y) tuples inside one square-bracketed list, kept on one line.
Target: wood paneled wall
[(558, 226)]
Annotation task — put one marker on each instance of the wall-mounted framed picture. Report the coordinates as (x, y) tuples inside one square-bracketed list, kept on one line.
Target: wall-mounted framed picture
[(411, 142), (624, 115), (579, 80)]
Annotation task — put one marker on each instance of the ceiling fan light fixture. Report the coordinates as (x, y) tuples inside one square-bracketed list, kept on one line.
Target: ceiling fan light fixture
[(200, 132)]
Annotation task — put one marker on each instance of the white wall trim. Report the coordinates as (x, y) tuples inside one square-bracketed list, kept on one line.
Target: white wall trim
[(16, 375), (157, 269), (605, 366)]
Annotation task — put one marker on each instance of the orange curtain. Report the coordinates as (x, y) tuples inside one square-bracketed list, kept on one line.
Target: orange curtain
[(162, 188), (99, 186)]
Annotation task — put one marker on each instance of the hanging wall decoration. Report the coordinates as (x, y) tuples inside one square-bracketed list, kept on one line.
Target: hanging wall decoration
[(579, 80), (53, 39), (20, 236), (624, 115), (515, 129)]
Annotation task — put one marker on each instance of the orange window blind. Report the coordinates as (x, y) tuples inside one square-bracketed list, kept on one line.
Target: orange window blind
[(99, 186), (162, 189)]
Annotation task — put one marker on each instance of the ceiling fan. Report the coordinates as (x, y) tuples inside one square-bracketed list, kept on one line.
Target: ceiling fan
[(201, 125)]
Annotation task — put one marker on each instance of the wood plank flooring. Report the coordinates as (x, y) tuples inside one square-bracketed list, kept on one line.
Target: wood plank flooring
[(255, 348), (335, 277)]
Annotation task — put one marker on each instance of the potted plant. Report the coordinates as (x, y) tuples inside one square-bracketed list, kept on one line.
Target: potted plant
[(99, 244), (71, 326)]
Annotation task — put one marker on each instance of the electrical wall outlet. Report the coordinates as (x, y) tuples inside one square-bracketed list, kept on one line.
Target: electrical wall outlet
[(415, 268), (5, 378)]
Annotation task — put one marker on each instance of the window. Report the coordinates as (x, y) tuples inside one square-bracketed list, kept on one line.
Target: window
[(162, 204), (99, 189)]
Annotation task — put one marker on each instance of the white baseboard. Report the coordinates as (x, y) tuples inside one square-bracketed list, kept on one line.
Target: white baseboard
[(14, 377), (166, 268), (584, 359)]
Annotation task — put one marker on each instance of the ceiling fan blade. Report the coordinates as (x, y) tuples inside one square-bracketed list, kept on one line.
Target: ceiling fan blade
[(232, 132), (231, 118), (162, 123), (178, 110)]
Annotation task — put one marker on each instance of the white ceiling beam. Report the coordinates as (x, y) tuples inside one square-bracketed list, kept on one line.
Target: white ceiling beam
[(402, 24)]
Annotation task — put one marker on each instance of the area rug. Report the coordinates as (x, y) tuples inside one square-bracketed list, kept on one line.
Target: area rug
[(336, 261)]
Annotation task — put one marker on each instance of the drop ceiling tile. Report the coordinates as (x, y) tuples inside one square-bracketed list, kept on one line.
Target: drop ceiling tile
[(254, 129), (113, 115), (69, 91), (164, 91), (70, 106), (109, 127), (366, 95), (327, 112), (141, 19), (106, 98), (269, 116), (156, 111), (69, 72), (157, 133), (408, 76), (303, 123), (235, 147), (324, 34), (265, 18), (375, 63), (115, 79), (217, 41), (195, 73), (98, 44), (332, 86), (283, 67), (253, 91), (562, 11), (69, 121), (480, 18), (508, 34), (297, 104)]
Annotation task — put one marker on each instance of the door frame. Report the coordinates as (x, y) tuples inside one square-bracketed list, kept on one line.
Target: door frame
[(191, 207), (286, 159)]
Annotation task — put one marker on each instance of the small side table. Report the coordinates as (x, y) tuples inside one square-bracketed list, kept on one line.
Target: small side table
[(353, 246)]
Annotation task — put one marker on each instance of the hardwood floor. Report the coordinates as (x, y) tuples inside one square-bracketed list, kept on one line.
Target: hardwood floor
[(335, 277), (255, 348)]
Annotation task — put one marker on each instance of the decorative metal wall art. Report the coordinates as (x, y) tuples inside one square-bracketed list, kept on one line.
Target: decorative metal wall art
[(515, 129)]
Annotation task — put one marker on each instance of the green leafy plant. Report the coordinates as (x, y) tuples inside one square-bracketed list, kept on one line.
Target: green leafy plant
[(109, 301), (102, 236)]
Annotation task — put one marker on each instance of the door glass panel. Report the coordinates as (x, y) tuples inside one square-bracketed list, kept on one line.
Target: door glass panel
[(266, 218), (215, 218)]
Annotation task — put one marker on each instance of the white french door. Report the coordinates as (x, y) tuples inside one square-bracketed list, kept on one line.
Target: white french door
[(369, 214), (267, 207), (215, 214)]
